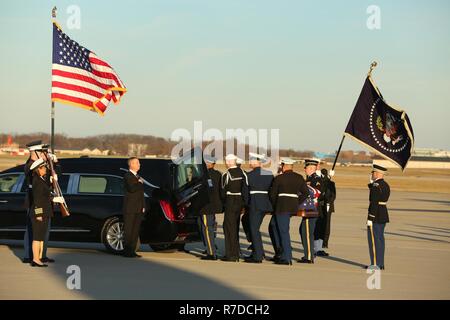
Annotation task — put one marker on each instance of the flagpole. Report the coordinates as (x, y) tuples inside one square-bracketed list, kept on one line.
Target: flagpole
[(339, 150), (52, 135)]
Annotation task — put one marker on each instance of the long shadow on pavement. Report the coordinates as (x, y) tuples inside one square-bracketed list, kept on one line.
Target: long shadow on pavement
[(106, 276)]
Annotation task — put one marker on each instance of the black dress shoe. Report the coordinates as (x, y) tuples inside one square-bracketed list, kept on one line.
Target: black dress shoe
[(382, 268), (250, 248), (274, 258), (322, 253), (34, 264), (26, 260), (284, 262), (47, 260), (227, 259), (129, 255), (209, 257), (305, 261), (252, 260)]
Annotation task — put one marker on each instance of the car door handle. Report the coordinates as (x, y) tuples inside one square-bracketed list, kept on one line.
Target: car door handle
[(3, 201)]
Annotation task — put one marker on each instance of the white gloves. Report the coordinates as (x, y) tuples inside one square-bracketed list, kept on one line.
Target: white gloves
[(370, 179), (54, 178), (369, 223), (331, 173), (319, 173), (53, 157), (58, 199)]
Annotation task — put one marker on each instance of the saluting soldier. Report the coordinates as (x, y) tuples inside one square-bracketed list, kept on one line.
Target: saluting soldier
[(234, 190), (208, 213), (308, 224), (259, 183), (378, 215), (288, 190)]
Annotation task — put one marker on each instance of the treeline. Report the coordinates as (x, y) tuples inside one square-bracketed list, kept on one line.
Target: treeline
[(122, 144)]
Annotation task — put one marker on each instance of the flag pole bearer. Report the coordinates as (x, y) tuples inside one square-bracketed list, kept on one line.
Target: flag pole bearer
[(52, 136)]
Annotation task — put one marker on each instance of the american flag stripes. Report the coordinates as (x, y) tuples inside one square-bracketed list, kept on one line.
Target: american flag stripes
[(80, 78)]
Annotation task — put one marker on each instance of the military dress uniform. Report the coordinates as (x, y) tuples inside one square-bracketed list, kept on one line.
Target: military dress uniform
[(259, 183), (208, 214), (308, 225), (28, 236), (42, 207), (288, 190), (377, 218), (234, 192)]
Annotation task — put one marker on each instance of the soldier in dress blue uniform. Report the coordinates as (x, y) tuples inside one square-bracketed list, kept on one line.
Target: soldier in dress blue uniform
[(288, 191), (259, 183), (274, 231), (234, 192), (208, 213), (377, 216), (308, 225)]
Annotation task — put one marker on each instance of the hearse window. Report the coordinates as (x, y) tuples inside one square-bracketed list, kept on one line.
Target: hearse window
[(7, 182), (186, 173), (63, 181), (100, 184)]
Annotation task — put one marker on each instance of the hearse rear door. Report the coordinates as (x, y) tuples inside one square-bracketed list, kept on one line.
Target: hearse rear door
[(190, 183)]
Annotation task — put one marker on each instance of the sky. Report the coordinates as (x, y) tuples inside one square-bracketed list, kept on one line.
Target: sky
[(297, 66)]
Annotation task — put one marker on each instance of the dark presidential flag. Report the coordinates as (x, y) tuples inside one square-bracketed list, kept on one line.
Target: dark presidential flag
[(80, 77), (384, 129)]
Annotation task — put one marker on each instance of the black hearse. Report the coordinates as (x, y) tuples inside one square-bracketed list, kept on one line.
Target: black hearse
[(93, 189)]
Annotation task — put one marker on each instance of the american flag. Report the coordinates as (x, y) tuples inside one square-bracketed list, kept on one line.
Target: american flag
[(80, 78)]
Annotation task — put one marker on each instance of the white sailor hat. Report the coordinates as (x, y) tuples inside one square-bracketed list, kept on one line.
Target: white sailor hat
[(256, 156), (239, 160), (231, 157), (36, 145), (209, 159), (311, 162), (378, 168), (287, 160), (37, 164)]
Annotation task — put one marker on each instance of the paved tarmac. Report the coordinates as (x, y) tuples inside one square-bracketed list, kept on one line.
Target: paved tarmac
[(417, 263)]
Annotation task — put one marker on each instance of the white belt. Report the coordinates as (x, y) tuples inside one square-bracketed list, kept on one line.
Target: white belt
[(290, 195), (256, 192), (233, 193), (382, 203)]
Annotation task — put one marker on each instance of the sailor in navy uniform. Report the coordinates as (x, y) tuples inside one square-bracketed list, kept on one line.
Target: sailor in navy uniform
[(259, 183), (208, 212), (234, 192), (308, 225), (377, 216), (288, 190), (35, 148)]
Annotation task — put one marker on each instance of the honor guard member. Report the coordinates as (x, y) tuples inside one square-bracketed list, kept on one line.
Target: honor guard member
[(329, 198), (245, 217), (259, 183), (307, 226), (208, 213), (28, 236), (378, 215), (42, 210), (274, 230), (288, 190), (234, 190)]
